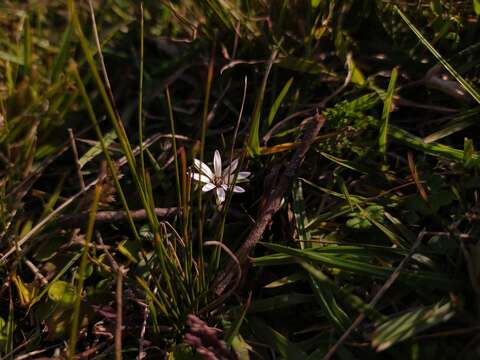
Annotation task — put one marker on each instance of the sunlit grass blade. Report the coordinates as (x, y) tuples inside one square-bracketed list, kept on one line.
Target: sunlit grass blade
[(345, 163), (174, 146), (428, 279), (206, 104), (387, 108), (434, 149), (112, 114), (405, 326), (278, 101), (58, 276), (352, 199), (61, 58), (465, 84), (458, 123), (352, 300), (234, 330), (113, 172), (141, 120), (27, 46), (81, 271), (96, 149), (253, 141)]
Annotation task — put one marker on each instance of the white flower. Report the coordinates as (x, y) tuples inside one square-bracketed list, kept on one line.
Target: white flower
[(217, 179)]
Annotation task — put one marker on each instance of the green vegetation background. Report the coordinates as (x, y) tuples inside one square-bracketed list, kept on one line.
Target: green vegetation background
[(106, 246)]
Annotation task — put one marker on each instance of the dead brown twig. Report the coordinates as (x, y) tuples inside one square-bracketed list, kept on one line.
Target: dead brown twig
[(113, 216), (271, 200)]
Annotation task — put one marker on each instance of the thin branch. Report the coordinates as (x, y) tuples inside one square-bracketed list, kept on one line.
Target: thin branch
[(36, 271), (114, 216)]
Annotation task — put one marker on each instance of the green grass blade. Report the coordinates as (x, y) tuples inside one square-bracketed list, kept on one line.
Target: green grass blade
[(141, 121), (429, 279), (276, 340), (465, 84), (91, 114), (62, 55), (278, 101), (387, 108), (174, 146), (113, 116), (27, 46), (403, 327), (458, 123), (434, 149), (253, 142), (353, 301), (96, 149), (324, 295), (81, 272)]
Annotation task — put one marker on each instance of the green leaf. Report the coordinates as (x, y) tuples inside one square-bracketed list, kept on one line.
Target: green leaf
[(97, 149), (476, 6), (361, 220), (289, 279), (407, 325), (11, 58), (241, 347), (129, 249), (358, 223), (357, 76), (62, 293)]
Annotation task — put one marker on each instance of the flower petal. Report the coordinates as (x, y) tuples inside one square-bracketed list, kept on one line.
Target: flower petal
[(230, 169), (238, 189), (207, 187), (203, 168), (217, 164), (243, 175), (200, 178), (220, 195)]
